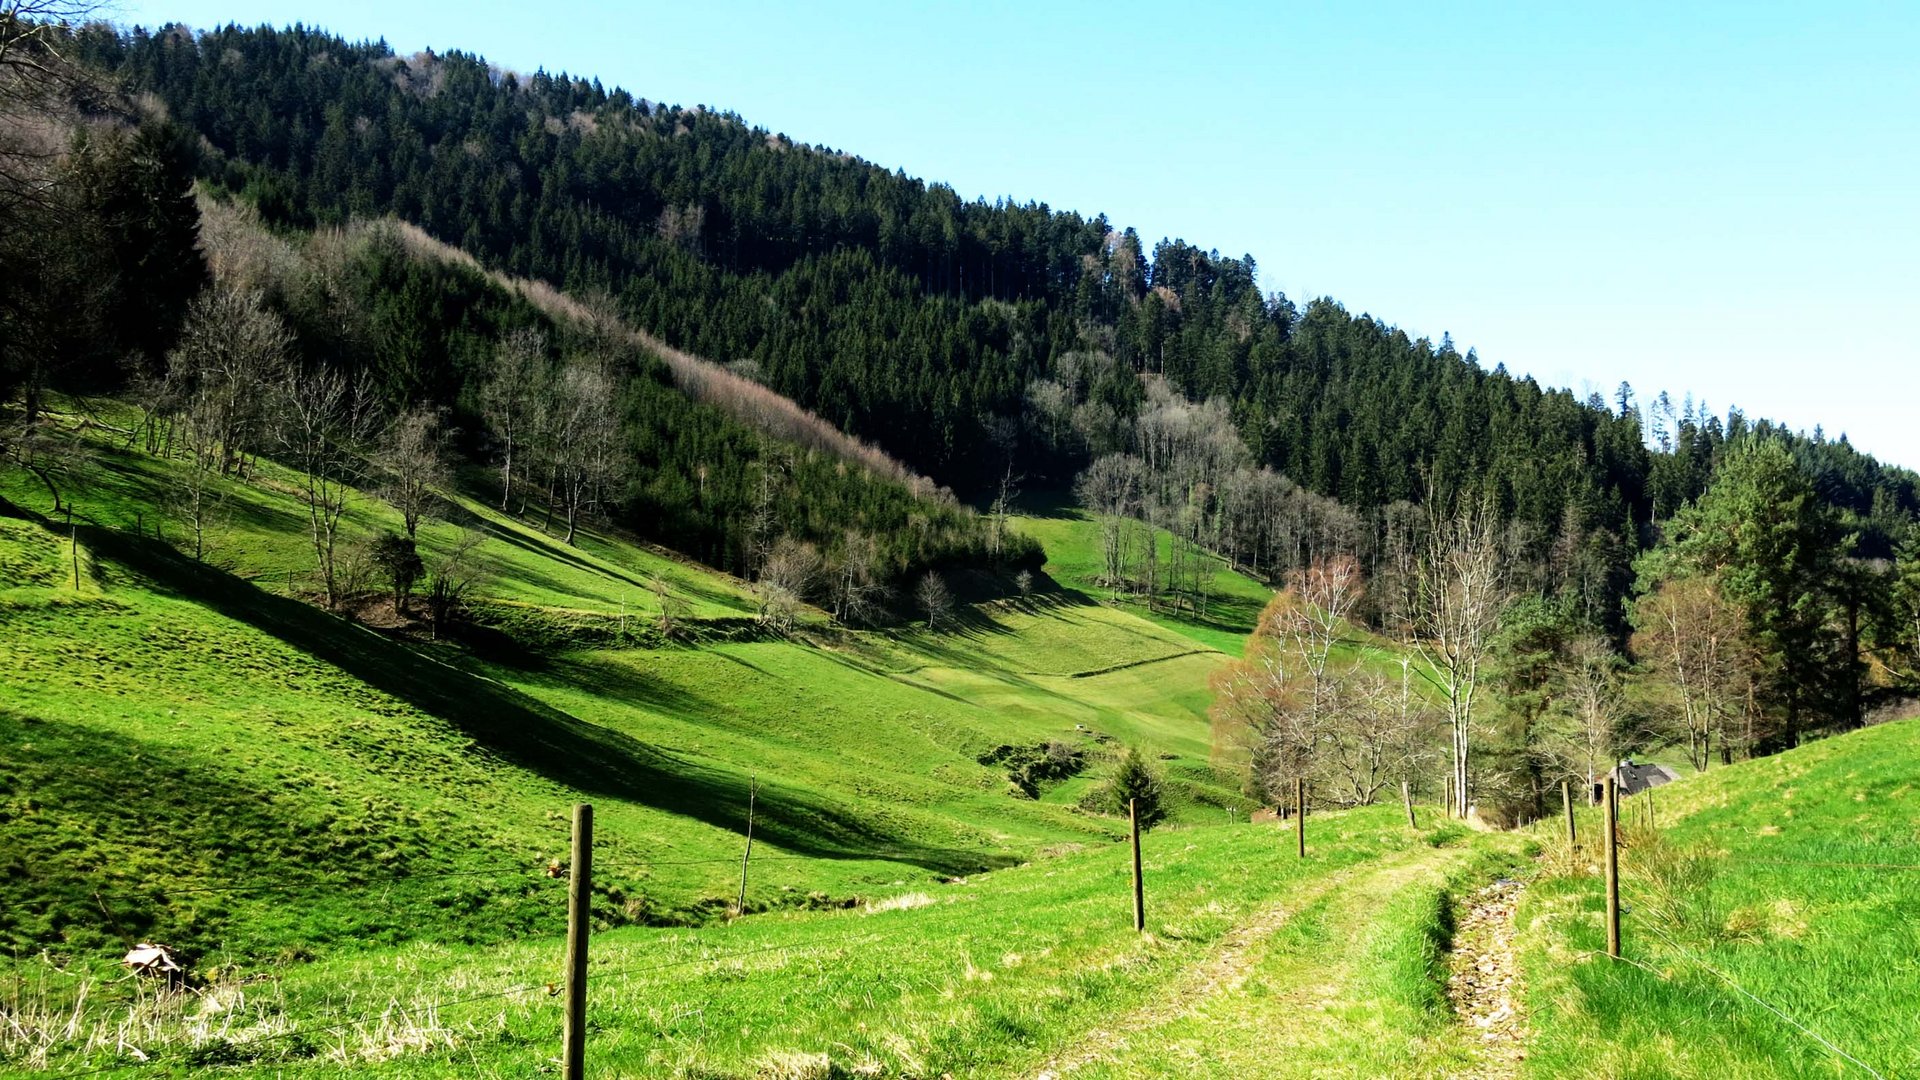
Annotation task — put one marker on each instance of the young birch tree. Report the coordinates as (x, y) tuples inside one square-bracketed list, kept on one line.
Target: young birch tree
[(325, 424), (1582, 729), (935, 599), (858, 588), (1462, 587), (510, 399), (1110, 487), (1692, 638), (584, 442)]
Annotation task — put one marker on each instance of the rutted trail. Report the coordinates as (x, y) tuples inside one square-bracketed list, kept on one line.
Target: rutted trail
[(1485, 984), (1219, 983)]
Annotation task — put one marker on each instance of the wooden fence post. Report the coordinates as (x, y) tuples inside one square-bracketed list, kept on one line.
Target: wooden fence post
[(1300, 813), (1613, 866), (1406, 796), (1566, 797), (1139, 887), (573, 1035), (753, 794)]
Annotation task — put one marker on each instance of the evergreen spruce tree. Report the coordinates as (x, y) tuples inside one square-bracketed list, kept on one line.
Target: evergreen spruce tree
[(1135, 781)]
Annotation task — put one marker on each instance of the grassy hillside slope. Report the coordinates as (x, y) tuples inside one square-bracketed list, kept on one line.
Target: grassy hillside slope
[(1071, 537), (186, 744), (347, 831), (1003, 974), (1787, 883)]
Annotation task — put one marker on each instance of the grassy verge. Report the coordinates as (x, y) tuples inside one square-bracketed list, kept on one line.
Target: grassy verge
[(1349, 982), (1779, 877), (981, 976)]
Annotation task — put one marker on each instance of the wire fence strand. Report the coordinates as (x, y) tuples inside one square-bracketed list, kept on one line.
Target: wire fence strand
[(1803, 1029)]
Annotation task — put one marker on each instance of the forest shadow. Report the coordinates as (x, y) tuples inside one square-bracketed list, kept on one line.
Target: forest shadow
[(546, 548), (1048, 505), (520, 730)]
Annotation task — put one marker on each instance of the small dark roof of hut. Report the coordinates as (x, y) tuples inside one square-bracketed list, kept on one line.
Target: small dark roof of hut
[(1634, 779)]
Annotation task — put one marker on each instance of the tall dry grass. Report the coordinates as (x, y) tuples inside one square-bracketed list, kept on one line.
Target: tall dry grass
[(243, 253), (699, 378)]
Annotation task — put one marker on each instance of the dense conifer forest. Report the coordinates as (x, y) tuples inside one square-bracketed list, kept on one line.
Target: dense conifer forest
[(990, 348), (931, 324)]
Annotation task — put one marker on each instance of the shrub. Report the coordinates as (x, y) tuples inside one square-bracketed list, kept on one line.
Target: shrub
[(399, 561)]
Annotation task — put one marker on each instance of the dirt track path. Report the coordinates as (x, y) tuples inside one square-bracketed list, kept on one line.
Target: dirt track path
[(1485, 984), (1225, 970)]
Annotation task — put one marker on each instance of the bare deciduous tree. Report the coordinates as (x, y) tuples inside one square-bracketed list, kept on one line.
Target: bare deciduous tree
[(764, 522), (1462, 587), (38, 446), (585, 457), (1110, 487), (934, 599), (324, 427), (672, 617), (859, 587), (1693, 640), (510, 397), (232, 357), (416, 457), (194, 495), (786, 578), (1299, 706), (1582, 729), (1002, 508), (1377, 732), (33, 72)]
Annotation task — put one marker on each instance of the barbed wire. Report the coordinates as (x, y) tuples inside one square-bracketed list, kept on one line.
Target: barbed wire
[(1749, 995), (1833, 864)]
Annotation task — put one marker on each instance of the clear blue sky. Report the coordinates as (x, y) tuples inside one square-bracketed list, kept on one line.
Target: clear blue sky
[(1721, 199)]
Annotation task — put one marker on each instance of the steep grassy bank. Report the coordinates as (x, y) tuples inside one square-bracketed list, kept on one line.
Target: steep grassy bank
[(994, 974), (1787, 883), (186, 744)]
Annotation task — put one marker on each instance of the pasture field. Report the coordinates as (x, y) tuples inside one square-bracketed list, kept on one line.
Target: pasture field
[(1769, 927), (1004, 973), (194, 753)]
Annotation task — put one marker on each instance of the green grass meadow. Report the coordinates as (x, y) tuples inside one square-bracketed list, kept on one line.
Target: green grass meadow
[(192, 752), (348, 833), (1793, 880)]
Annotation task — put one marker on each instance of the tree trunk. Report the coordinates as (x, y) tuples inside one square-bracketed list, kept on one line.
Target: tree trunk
[(46, 478), (506, 477)]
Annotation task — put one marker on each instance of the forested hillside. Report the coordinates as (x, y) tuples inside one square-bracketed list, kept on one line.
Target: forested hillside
[(366, 352), (937, 327), (395, 450), (492, 258)]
